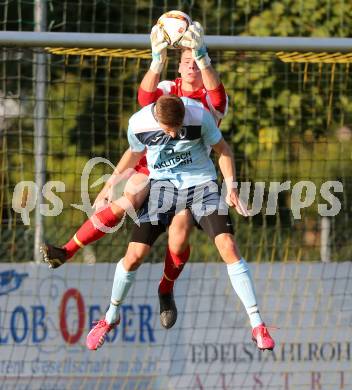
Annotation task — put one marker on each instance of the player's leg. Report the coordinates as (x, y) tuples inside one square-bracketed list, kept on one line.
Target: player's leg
[(143, 237), (219, 228), (95, 227), (125, 274), (177, 254)]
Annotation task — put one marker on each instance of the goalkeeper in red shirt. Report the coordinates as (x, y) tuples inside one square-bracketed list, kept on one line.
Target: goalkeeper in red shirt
[(199, 81)]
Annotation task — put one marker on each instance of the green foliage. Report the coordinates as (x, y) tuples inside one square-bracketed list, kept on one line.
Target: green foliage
[(284, 122)]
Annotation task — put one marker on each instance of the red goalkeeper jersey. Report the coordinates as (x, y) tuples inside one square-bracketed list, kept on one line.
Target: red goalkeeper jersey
[(215, 101)]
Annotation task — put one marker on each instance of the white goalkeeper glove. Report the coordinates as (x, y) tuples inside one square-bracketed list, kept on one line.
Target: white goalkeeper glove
[(158, 50), (194, 39)]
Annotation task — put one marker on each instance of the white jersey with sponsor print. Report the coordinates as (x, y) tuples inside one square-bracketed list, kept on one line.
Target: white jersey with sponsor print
[(183, 160)]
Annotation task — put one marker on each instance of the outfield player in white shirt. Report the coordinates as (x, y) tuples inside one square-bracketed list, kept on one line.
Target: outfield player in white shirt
[(176, 134)]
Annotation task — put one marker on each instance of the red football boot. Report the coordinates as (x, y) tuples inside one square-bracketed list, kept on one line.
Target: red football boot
[(261, 336), (96, 336)]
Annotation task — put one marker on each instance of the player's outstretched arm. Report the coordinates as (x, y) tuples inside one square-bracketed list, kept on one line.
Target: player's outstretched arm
[(228, 170), (123, 169), (128, 160), (150, 81), (226, 161), (194, 39)]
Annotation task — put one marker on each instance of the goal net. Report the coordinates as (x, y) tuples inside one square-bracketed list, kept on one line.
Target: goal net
[(290, 127), (287, 124)]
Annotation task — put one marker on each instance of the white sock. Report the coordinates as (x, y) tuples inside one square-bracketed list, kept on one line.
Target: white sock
[(122, 282), (243, 285)]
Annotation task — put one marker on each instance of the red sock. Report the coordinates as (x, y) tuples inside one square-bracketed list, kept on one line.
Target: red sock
[(90, 232), (173, 266)]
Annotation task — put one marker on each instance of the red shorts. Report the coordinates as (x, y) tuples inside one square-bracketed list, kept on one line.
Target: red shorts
[(141, 167)]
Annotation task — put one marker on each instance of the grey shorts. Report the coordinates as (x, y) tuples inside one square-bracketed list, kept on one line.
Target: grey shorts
[(207, 207)]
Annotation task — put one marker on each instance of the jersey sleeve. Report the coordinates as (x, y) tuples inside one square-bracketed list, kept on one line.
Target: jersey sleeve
[(135, 144), (210, 132), (218, 98), (164, 88), (217, 101), (145, 98)]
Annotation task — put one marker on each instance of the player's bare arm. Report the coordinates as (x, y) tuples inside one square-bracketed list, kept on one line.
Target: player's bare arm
[(127, 162), (150, 81), (228, 170), (210, 77), (194, 39), (226, 160)]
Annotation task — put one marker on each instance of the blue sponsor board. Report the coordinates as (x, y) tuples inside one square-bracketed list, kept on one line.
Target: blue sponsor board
[(45, 317), (10, 281), (43, 327)]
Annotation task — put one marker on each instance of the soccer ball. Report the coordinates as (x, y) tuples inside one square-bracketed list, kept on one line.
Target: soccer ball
[(173, 25)]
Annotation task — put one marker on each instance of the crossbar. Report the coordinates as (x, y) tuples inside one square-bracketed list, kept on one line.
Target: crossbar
[(141, 41)]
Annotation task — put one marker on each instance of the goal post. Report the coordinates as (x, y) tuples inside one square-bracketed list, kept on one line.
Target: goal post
[(142, 41)]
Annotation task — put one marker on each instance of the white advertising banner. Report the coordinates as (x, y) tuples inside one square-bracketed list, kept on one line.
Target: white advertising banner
[(45, 316)]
